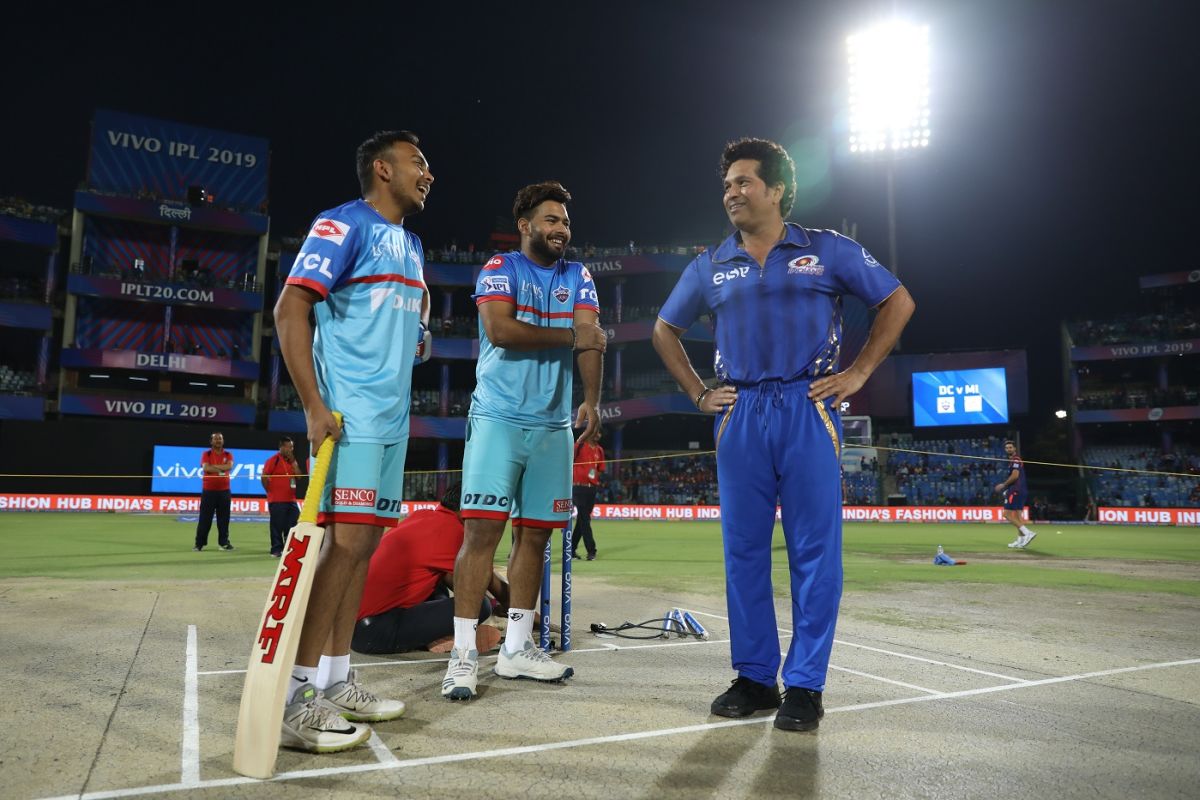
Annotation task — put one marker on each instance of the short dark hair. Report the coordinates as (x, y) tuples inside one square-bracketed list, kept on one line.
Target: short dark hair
[(535, 194), (452, 499), (774, 166), (374, 148), (1010, 441), (284, 438)]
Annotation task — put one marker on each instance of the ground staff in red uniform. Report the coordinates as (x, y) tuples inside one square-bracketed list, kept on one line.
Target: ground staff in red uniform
[(406, 604), (216, 463), (279, 479), (589, 463)]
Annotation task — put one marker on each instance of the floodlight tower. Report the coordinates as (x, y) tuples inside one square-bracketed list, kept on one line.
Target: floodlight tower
[(889, 101)]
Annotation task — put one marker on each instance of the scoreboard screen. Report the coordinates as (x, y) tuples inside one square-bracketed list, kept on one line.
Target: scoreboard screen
[(960, 397)]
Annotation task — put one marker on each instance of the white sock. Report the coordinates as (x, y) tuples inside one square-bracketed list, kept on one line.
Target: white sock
[(301, 676), (520, 628), (464, 633), (331, 670), (1025, 531)]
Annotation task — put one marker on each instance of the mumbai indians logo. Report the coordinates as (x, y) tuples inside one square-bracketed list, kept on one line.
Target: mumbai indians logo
[(806, 265)]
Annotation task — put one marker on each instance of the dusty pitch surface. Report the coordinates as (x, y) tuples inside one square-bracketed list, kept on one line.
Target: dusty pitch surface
[(941, 691)]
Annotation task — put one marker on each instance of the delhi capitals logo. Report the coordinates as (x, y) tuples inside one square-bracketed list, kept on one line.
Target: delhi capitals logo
[(806, 265), (562, 294)]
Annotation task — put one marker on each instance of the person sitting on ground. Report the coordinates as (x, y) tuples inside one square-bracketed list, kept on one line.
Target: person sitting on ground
[(406, 604)]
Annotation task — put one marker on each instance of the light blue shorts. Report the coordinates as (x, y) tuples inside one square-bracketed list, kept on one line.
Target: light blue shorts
[(522, 473), (365, 484)]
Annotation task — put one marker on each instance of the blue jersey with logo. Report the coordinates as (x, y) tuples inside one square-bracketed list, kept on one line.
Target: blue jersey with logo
[(784, 320), (370, 274), (1017, 465), (531, 388)]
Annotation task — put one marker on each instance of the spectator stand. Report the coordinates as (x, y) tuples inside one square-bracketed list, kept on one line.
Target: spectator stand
[(29, 249), (164, 300), (1132, 380), (948, 472)]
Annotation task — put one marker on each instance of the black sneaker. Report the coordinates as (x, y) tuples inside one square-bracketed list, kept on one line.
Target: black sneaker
[(801, 710), (745, 697), (591, 557), (226, 547), (198, 548)]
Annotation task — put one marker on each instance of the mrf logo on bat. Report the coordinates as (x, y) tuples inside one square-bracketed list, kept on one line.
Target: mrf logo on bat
[(281, 596)]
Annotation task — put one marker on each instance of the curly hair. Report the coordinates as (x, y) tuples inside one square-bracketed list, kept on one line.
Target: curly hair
[(452, 499), (374, 148), (535, 194), (775, 166)]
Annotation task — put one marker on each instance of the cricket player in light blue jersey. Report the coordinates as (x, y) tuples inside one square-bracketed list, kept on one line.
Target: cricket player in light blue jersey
[(536, 309), (776, 292), (360, 274)]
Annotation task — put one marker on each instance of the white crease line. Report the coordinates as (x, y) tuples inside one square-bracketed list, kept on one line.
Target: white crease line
[(894, 653), (1022, 685), (603, 648), (885, 680), (930, 661), (190, 773), (622, 737), (381, 751)]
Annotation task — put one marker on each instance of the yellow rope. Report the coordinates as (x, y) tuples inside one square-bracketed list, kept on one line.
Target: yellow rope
[(693, 453)]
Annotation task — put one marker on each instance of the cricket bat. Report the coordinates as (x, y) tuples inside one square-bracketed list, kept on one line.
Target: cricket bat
[(278, 633)]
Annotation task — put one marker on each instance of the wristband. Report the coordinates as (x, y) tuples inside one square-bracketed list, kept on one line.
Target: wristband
[(424, 344), (700, 397)]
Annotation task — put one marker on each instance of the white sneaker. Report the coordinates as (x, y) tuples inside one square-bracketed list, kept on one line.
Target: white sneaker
[(309, 724), (462, 675), (1018, 542), (531, 662), (356, 704), (1026, 540)]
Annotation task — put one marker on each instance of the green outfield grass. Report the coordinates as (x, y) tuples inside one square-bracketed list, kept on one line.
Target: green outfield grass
[(668, 555)]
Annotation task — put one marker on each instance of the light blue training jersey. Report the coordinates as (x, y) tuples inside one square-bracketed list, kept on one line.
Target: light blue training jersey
[(370, 274), (532, 388)]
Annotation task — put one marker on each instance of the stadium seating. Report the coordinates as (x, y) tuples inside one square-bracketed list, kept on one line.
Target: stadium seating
[(947, 479), (861, 488), (1129, 489), (16, 381), (682, 480), (1184, 324)]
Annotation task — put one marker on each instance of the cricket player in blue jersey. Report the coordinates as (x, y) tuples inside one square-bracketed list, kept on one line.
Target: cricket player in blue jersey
[(776, 291), (360, 274), (1015, 494), (535, 309)]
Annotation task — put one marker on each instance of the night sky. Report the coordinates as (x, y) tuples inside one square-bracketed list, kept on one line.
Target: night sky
[(1063, 163)]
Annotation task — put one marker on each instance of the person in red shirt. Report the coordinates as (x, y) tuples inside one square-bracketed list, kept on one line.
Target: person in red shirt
[(279, 479), (589, 463), (406, 604), (216, 463)]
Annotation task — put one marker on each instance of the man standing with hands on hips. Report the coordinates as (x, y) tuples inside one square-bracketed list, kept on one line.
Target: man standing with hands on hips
[(215, 498), (776, 291)]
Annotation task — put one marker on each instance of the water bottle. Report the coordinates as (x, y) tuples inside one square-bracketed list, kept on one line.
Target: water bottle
[(940, 551)]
